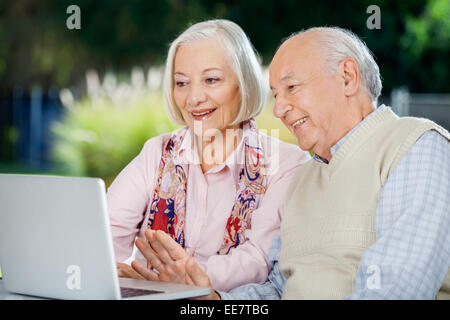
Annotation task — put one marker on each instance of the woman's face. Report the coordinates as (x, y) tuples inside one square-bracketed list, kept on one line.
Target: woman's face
[(206, 89)]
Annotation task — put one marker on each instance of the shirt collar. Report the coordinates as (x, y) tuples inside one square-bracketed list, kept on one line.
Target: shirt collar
[(234, 161), (188, 154)]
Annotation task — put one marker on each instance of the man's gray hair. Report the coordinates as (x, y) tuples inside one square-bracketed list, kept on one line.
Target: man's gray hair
[(339, 44)]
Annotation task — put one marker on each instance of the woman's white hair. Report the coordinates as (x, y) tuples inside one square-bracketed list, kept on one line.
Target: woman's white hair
[(243, 62), (339, 44)]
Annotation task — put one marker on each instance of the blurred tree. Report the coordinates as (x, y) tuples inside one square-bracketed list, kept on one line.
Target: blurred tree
[(427, 40), (98, 137), (35, 46)]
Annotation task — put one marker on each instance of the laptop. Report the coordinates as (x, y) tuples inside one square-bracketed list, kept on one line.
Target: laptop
[(56, 242)]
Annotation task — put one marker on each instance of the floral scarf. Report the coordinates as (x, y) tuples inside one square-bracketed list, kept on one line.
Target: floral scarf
[(168, 207)]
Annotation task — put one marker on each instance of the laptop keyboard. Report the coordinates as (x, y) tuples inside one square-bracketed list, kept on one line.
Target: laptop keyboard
[(132, 292)]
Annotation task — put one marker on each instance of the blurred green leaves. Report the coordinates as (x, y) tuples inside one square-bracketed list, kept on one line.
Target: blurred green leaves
[(429, 31), (36, 46), (100, 134)]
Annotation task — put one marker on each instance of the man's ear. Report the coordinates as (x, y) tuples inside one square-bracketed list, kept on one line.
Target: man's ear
[(350, 75)]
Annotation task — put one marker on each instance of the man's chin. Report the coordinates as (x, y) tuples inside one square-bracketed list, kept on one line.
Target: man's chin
[(303, 145)]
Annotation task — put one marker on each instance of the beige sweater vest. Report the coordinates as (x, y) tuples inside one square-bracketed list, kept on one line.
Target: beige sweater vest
[(329, 218)]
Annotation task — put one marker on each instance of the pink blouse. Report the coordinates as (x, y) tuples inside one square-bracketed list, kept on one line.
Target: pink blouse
[(209, 200)]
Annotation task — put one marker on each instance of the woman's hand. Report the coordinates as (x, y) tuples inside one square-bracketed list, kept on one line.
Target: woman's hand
[(166, 256), (125, 271), (171, 262), (197, 277)]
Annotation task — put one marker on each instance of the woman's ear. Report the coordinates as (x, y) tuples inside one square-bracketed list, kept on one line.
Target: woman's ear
[(350, 75)]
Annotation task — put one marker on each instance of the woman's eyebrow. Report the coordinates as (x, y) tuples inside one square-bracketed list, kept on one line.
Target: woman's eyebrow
[(205, 70), (211, 69)]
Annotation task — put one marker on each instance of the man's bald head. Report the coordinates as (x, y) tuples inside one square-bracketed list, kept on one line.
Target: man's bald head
[(324, 81), (306, 39), (328, 46)]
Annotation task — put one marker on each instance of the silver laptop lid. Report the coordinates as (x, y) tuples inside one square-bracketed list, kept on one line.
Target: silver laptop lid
[(55, 237)]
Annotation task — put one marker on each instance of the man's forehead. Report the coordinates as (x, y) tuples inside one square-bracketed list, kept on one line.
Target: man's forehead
[(284, 71), (293, 60), (282, 78), (287, 76)]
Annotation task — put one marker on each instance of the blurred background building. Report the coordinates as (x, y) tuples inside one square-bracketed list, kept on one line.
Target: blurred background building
[(83, 102)]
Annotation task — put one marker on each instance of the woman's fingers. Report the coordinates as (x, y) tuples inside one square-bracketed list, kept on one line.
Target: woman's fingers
[(144, 272), (150, 254), (174, 249), (166, 256), (125, 271), (159, 246)]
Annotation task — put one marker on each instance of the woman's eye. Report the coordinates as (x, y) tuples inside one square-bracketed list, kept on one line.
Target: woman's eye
[(180, 83), (211, 80)]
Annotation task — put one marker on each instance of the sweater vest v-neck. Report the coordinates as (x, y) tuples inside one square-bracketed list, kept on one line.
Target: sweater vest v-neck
[(329, 218)]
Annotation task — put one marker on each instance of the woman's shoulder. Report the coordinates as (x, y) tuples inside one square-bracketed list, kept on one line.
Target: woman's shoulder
[(281, 158), (151, 152), (273, 145), (155, 145), (156, 142)]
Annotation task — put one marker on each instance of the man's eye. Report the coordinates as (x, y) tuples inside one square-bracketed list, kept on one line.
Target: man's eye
[(291, 87)]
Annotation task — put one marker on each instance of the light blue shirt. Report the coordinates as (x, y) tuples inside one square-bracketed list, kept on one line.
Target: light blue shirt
[(411, 255)]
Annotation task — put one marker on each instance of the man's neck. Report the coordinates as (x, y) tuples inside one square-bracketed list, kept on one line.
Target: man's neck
[(349, 122)]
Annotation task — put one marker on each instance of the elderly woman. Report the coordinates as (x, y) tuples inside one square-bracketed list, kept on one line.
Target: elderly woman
[(216, 186)]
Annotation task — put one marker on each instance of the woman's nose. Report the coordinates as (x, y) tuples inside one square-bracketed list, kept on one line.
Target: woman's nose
[(196, 95)]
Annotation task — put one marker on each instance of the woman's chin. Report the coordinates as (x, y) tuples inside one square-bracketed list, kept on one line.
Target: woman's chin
[(206, 133)]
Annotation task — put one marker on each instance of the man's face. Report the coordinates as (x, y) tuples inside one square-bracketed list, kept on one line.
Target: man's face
[(307, 98)]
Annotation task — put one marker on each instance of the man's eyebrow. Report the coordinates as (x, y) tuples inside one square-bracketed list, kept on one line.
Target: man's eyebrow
[(287, 76)]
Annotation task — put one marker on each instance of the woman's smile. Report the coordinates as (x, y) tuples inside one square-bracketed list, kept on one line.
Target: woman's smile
[(202, 114)]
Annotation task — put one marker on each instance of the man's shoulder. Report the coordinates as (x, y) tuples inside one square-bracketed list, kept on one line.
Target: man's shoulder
[(398, 135), (420, 131), (431, 142), (424, 124)]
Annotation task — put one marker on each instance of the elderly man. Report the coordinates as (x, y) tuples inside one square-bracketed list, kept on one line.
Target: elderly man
[(369, 217)]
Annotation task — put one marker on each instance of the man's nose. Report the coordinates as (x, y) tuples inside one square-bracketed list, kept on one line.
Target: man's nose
[(281, 107), (196, 95)]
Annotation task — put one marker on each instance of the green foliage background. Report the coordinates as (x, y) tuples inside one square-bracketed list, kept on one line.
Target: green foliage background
[(412, 46), (98, 137)]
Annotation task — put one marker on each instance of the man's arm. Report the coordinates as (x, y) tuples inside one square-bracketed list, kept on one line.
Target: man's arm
[(272, 289), (411, 255)]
